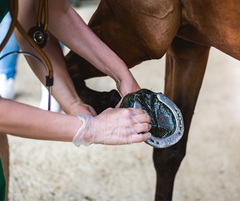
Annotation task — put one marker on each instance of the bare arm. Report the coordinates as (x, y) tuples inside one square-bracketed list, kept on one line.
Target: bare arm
[(26, 121), (70, 29), (63, 89), (110, 127)]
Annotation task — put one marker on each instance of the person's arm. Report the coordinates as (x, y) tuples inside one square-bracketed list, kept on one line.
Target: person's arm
[(110, 127), (63, 89), (68, 27), (26, 121)]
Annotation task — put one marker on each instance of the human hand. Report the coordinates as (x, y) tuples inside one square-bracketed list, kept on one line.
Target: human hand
[(125, 87), (80, 107), (114, 127)]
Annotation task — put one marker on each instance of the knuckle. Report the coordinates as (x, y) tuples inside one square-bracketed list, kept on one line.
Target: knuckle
[(126, 112), (148, 118), (147, 126), (131, 121)]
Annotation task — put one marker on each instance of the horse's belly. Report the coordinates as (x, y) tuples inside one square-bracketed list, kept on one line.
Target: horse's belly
[(212, 23)]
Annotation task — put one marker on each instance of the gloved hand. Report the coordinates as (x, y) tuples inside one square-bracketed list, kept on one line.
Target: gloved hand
[(114, 127)]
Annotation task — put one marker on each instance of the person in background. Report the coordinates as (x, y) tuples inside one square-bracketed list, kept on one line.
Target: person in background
[(8, 64)]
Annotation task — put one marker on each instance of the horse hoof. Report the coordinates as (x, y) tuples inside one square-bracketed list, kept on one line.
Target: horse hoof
[(166, 118)]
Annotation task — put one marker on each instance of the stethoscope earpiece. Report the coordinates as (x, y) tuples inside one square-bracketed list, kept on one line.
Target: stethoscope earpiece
[(39, 36)]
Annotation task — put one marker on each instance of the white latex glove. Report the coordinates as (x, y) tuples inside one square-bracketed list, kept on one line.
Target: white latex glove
[(114, 127)]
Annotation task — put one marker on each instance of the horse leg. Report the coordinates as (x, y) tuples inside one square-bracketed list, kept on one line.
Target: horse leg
[(98, 100), (79, 70), (4, 155), (185, 67)]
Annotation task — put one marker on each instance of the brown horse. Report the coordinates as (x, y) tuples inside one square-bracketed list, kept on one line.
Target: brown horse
[(140, 30)]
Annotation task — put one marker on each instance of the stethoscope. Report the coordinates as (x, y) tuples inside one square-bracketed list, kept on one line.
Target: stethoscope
[(39, 33), (37, 36)]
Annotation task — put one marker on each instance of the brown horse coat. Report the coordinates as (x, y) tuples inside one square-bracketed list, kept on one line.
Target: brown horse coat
[(139, 30)]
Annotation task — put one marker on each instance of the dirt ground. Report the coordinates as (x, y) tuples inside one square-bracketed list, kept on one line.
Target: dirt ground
[(55, 171)]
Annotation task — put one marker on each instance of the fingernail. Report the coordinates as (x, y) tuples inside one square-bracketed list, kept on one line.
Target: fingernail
[(149, 135)]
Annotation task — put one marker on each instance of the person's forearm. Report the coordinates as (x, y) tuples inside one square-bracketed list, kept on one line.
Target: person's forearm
[(63, 89), (113, 127), (84, 42), (26, 121)]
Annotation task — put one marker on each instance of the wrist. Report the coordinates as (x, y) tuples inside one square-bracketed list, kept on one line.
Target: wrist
[(127, 86), (83, 136), (76, 107), (79, 107)]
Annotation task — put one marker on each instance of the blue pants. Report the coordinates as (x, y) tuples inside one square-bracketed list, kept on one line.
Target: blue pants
[(8, 64)]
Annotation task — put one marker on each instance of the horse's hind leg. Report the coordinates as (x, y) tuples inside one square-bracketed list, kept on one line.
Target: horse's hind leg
[(185, 68), (4, 155)]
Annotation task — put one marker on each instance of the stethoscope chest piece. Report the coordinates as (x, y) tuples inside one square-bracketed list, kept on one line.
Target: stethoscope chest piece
[(39, 36), (166, 118)]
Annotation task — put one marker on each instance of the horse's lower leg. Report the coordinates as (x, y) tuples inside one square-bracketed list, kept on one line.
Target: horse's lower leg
[(4, 155), (98, 100), (185, 68), (167, 162), (79, 70)]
